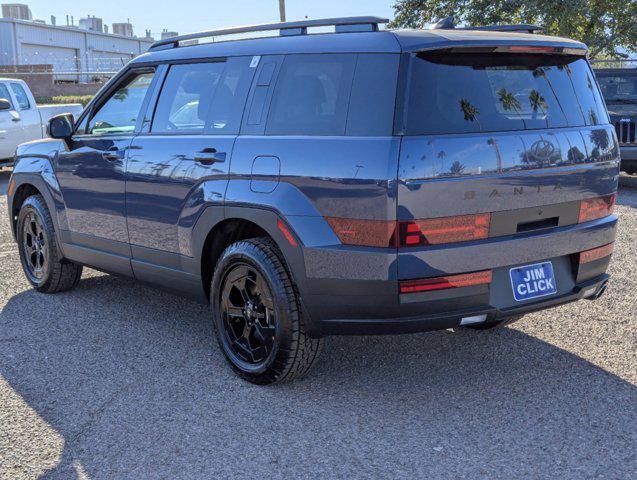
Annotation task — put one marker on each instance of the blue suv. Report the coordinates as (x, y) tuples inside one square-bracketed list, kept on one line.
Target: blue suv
[(361, 181)]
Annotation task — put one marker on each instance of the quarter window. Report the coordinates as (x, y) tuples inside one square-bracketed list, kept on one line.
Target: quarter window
[(21, 96), (312, 95), (120, 112)]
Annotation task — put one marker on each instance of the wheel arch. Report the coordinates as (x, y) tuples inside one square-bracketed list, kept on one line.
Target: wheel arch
[(218, 228)]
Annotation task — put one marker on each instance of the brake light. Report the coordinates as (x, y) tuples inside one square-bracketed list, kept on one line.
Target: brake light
[(444, 283), (437, 231), (596, 253), (414, 233), (598, 207), (528, 49), (366, 233)]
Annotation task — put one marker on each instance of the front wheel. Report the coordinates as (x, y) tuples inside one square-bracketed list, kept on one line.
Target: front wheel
[(257, 316), (39, 254)]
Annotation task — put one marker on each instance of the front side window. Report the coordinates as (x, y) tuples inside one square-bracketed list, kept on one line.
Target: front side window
[(4, 93), (476, 92), (203, 98), (21, 96), (312, 95), (120, 112)]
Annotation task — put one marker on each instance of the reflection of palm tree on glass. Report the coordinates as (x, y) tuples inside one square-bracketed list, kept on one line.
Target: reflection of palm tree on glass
[(509, 102), (600, 139), (456, 168), (442, 155), (538, 102), (470, 112)]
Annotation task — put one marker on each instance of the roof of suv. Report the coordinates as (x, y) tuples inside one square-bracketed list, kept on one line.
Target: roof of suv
[(386, 41)]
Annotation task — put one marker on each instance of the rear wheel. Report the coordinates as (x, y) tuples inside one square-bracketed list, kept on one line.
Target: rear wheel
[(257, 316), (39, 254)]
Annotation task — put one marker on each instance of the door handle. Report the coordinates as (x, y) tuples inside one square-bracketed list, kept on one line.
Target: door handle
[(113, 154), (16, 119), (209, 156)]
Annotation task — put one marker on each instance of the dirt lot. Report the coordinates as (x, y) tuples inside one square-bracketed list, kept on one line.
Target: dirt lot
[(115, 380)]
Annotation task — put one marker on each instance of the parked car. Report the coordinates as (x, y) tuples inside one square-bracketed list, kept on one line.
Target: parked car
[(21, 120), (365, 181), (619, 88)]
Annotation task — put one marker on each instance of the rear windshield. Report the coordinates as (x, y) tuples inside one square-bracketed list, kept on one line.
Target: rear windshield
[(474, 92), (618, 87)]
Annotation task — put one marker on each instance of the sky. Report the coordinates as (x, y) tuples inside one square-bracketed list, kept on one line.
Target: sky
[(186, 16)]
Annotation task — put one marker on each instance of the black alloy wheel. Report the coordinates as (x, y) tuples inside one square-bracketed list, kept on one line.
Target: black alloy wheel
[(249, 320)]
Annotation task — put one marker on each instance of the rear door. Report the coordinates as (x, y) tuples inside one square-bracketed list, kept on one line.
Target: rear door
[(181, 163)]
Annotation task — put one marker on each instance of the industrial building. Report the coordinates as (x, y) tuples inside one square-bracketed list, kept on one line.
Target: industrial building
[(76, 53)]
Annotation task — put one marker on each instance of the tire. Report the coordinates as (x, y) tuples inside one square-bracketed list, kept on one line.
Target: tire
[(257, 316), (491, 324), (40, 256)]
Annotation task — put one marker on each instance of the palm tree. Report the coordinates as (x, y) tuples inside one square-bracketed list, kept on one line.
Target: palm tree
[(470, 112), (282, 10)]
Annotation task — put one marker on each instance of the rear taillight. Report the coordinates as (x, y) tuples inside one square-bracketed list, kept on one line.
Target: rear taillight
[(598, 207), (444, 283), (414, 233), (596, 253), (365, 233), (437, 231)]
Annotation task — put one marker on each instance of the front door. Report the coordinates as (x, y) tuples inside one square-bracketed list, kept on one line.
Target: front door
[(91, 174), (181, 165)]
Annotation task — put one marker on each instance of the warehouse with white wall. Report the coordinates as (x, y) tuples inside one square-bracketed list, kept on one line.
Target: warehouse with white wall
[(74, 53)]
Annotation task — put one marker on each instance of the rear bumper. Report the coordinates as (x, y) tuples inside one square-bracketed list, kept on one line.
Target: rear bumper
[(350, 290), (453, 317)]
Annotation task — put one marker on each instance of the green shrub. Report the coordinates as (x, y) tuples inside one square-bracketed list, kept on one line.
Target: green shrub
[(83, 99)]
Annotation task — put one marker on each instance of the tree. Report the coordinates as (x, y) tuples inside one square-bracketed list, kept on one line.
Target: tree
[(457, 168), (604, 25)]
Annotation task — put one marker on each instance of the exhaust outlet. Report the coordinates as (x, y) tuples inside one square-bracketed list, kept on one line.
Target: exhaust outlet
[(599, 293)]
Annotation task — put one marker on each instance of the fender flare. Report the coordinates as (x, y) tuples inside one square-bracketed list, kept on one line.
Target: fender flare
[(265, 218)]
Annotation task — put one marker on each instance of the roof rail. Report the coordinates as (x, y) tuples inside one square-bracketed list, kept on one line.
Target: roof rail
[(344, 24), (448, 24)]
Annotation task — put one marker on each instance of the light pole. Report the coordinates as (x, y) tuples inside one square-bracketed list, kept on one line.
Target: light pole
[(282, 9)]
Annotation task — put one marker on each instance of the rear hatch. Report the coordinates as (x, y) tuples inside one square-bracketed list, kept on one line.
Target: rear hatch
[(505, 143)]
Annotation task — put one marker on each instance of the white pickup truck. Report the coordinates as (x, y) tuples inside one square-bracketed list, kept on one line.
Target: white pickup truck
[(21, 120)]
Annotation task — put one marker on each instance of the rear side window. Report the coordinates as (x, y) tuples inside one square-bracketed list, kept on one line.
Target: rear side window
[(21, 96), (312, 95), (203, 98), (468, 93)]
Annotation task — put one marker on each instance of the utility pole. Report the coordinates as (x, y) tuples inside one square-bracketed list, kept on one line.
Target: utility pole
[(282, 9)]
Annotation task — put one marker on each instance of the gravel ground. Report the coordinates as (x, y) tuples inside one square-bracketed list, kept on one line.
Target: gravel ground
[(115, 380)]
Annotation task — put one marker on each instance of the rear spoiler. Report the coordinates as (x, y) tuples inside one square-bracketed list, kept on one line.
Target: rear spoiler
[(511, 48)]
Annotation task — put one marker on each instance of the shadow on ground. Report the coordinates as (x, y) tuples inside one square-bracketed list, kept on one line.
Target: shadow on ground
[(133, 381)]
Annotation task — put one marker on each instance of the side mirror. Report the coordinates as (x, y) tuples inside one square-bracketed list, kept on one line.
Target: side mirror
[(61, 126), (5, 104)]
